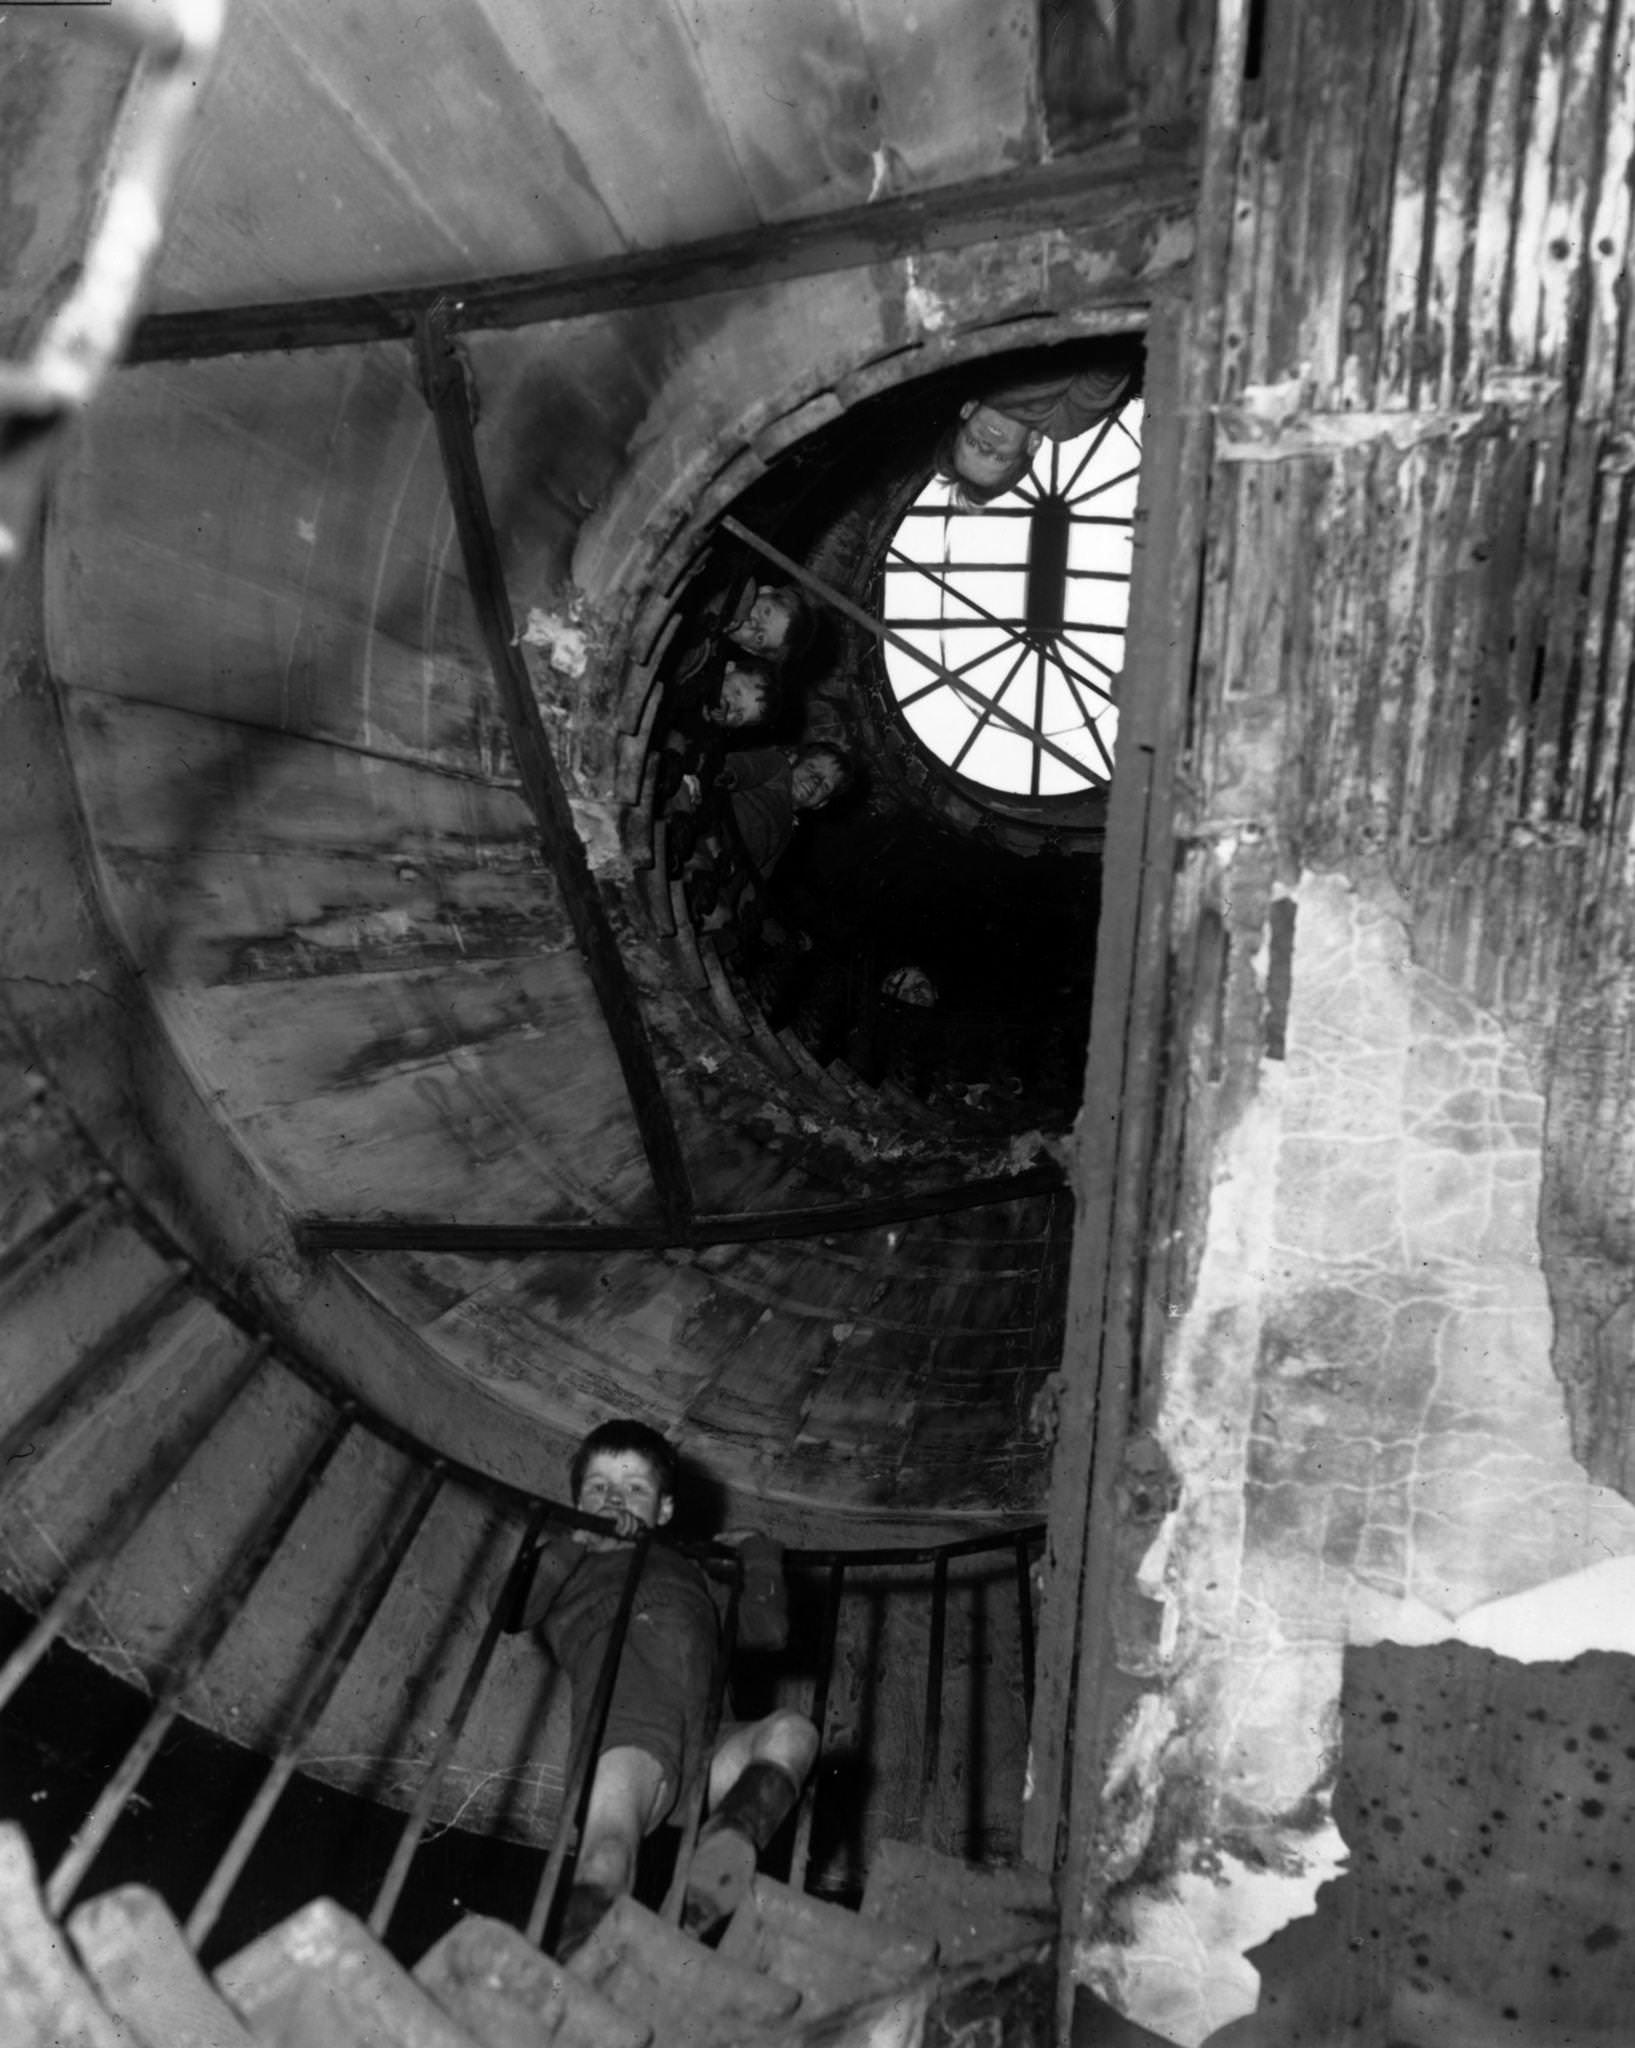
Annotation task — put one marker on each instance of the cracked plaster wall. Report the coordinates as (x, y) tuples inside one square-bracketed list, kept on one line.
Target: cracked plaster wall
[(1370, 1442)]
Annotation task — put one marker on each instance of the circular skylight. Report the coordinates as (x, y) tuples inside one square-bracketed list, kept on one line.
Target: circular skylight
[(1015, 612)]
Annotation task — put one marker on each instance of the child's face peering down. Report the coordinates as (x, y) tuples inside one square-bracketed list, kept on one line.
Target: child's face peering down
[(623, 1485), (743, 699)]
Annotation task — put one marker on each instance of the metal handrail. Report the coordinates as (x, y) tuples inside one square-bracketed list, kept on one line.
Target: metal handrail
[(364, 1597)]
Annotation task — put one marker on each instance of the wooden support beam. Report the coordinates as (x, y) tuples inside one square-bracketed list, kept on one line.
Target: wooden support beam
[(697, 1233), (443, 379), (1082, 1690), (1135, 198)]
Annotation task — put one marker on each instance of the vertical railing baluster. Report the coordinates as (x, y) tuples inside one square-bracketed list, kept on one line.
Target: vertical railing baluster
[(698, 1791), (112, 1536), (25, 1249), (87, 1385), (189, 1657), (391, 1885), (931, 1755), (801, 1853), (1024, 1615), (346, 1632), (581, 1764)]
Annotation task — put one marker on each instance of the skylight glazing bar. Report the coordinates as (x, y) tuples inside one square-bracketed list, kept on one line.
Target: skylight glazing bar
[(1098, 442), (981, 724), (859, 617)]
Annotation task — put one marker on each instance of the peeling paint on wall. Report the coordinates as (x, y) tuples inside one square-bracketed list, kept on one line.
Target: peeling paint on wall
[(1370, 1440)]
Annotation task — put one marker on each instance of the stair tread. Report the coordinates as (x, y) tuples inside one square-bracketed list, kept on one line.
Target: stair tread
[(506, 1993), (689, 1996), (44, 2001), (832, 1957), (147, 1976), (320, 1980)]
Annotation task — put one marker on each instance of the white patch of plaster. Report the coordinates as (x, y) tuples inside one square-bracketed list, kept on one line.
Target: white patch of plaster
[(345, 934), (885, 170), (565, 645), (927, 310), (1369, 1437), (599, 828), (1134, 1776), (1589, 1610), (1184, 1964)]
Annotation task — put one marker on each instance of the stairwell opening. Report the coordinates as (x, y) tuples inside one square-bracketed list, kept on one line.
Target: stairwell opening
[(931, 931)]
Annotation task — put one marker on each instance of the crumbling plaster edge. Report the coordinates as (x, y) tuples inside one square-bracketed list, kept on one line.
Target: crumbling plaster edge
[(1171, 1948)]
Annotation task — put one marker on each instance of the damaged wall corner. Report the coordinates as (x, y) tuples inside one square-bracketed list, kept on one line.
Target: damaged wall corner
[(1356, 1401)]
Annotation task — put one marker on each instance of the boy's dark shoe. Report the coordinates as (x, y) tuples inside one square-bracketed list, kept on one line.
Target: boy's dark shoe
[(582, 1913), (730, 1841)]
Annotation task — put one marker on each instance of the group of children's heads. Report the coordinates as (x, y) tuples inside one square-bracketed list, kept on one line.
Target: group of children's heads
[(774, 629), (777, 624)]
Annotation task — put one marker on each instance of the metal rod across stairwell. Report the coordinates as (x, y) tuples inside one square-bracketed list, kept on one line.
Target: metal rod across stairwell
[(967, 692)]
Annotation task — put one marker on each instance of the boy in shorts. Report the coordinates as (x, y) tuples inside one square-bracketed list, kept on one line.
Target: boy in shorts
[(653, 1738)]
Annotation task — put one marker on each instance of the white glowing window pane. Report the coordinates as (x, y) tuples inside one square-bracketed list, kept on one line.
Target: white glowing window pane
[(1000, 759), (1014, 712), (942, 722), (1113, 499), (1062, 716), (1055, 779), (1098, 549), (912, 597), (974, 540), (1098, 657)]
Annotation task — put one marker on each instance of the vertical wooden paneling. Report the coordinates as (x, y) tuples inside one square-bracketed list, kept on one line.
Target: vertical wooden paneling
[(1608, 254), (1492, 255), (1393, 54), (1609, 653), (1405, 224), (1572, 156), (1448, 274)]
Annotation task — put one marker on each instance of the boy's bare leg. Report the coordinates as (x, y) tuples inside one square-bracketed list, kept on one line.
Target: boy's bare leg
[(625, 1797), (786, 1739), (624, 1802)]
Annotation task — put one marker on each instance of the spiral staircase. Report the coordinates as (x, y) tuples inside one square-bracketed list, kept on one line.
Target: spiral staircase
[(186, 1504)]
